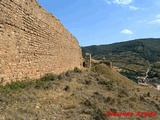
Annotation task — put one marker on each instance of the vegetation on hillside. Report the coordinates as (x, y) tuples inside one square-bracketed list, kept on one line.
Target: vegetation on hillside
[(77, 95), (133, 57)]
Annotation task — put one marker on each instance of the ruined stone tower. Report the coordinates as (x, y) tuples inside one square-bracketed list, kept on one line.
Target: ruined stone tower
[(87, 60), (33, 42)]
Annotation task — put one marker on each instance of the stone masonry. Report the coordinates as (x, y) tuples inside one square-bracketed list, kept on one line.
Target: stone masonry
[(87, 60), (33, 42)]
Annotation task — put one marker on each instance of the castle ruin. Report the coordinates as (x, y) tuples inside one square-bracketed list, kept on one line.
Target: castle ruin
[(33, 42)]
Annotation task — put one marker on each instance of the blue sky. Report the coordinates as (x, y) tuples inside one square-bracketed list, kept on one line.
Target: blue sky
[(95, 22)]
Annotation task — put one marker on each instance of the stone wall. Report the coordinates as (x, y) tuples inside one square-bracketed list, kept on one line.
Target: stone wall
[(33, 42)]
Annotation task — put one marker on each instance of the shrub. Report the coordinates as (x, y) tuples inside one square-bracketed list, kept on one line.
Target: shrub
[(157, 65), (87, 103), (142, 98), (62, 76), (99, 115), (49, 77), (1, 81), (148, 94), (15, 86), (68, 73), (123, 93), (66, 88), (108, 84), (77, 70), (45, 81), (19, 85)]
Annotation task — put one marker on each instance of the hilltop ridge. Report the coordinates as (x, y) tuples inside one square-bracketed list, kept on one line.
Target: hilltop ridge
[(148, 48), (133, 57)]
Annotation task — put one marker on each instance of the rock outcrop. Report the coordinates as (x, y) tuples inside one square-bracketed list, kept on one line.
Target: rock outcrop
[(33, 42)]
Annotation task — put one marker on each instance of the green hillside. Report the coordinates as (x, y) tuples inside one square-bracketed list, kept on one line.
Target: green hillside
[(133, 57)]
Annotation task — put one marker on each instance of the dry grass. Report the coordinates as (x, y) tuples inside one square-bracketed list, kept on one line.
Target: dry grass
[(78, 95)]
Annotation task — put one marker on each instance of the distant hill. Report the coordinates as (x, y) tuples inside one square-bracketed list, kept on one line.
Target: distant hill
[(134, 57)]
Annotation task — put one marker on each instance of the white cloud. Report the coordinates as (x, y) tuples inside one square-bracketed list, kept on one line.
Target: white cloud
[(123, 2), (126, 31), (120, 2), (133, 8), (107, 1), (158, 16), (156, 21)]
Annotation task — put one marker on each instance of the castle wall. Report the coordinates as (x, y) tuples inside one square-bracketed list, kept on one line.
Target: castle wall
[(33, 42)]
